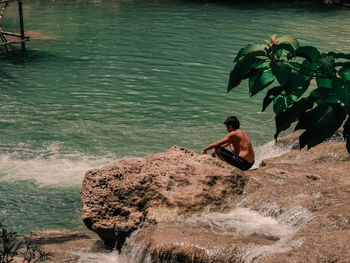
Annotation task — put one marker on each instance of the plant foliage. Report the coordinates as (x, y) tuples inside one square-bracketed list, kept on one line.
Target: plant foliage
[(12, 247), (286, 69)]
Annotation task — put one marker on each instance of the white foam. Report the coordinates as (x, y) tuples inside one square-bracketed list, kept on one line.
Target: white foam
[(268, 150), (271, 223), (134, 252), (49, 166), (111, 257), (243, 221)]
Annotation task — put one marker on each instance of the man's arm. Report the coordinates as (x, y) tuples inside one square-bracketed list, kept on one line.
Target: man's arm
[(233, 150), (225, 140)]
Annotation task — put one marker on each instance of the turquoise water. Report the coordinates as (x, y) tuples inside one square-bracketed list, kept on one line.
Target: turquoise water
[(114, 79)]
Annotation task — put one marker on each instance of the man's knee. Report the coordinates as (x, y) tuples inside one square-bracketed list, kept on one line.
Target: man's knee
[(219, 152)]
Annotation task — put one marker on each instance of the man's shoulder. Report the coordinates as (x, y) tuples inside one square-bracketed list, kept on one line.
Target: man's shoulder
[(239, 133), (236, 133)]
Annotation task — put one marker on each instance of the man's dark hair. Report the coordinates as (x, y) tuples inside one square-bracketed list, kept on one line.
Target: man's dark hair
[(233, 121)]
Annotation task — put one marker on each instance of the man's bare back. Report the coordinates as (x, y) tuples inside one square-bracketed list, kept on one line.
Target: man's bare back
[(241, 154), (242, 145)]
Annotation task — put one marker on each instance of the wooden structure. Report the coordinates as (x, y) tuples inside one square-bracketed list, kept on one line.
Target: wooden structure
[(8, 38)]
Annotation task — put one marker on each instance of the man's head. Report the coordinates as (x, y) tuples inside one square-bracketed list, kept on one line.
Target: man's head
[(232, 122)]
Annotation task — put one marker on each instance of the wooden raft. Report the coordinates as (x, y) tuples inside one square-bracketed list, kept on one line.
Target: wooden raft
[(9, 38)]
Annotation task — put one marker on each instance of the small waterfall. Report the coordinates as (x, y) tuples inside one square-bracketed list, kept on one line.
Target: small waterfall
[(133, 252), (268, 150), (291, 219), (111, 257), (270, 222)]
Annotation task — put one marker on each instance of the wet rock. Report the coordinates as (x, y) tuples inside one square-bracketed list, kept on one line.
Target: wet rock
[(181, 207), (67, 246)]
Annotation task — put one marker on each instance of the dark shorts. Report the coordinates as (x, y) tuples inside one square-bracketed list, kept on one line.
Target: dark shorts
[(234, 160)]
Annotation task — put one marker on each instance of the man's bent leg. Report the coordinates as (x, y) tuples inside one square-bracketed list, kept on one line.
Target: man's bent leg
[(232, 159), (224, 154)]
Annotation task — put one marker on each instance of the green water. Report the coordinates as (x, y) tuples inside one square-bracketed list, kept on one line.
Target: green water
[(116, 79)]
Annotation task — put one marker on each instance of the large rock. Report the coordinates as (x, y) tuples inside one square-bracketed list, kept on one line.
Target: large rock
[(131, 193), (190, 208)]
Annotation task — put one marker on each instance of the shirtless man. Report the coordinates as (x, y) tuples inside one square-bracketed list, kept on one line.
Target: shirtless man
[(241, 154)]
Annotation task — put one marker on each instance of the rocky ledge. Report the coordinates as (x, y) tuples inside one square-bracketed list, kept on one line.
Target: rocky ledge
[(182, 207), (133, 193)]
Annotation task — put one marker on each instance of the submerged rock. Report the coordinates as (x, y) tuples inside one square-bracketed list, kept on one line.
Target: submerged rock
[(178, 206)]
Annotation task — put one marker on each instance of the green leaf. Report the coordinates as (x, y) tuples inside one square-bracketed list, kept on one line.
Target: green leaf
[(308, 68), (290, 40), (251, 50), (321, 123), (243, 69), (346, 99), (309, 52), (270, 95), (327, 65), (324, 83), (305, 121), (342, 64), (296, 84), (346, 131), (261, 81), (330, 91), (285, 118), (289, 100), (279, 104), (339, 55), (344, 73), (335, 95), (281, 49), (281, 70)]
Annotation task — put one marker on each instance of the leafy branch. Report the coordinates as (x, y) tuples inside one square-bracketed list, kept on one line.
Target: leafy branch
[(292, 67), (12, 247)]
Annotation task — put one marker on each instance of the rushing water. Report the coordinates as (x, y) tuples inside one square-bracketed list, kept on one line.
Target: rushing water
[(127, 78)]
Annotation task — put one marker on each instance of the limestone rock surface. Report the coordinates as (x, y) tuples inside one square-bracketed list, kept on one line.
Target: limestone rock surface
[(66, 246), (120, 198), (178, 206)]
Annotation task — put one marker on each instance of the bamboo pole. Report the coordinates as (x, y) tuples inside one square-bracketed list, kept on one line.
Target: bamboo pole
[(20, 9), (12, 34), (4, 42), (3, 11), (13, 42)]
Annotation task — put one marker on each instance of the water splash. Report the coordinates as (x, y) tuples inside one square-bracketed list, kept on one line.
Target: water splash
[(111, 257), (270, 222), (268, 150), (134, 252), (49, 166), (241, 221)]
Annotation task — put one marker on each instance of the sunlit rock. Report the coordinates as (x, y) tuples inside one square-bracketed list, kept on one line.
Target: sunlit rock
[(182, 207), (133, 193)]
